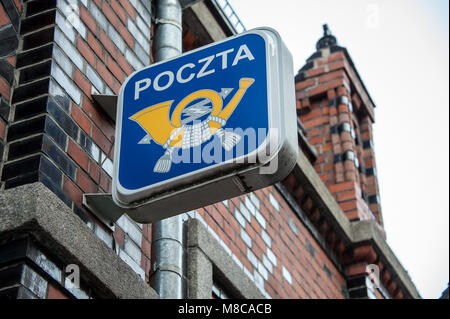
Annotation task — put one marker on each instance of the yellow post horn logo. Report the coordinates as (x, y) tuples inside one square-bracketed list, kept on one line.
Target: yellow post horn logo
[(172, 132)]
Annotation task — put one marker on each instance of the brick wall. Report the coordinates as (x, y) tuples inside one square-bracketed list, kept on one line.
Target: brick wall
[(10, 12), (338, 114), (55, 133), (265, 237), (52, 130)]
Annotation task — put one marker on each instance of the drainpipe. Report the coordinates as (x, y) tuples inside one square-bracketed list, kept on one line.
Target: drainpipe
[(167, 235)]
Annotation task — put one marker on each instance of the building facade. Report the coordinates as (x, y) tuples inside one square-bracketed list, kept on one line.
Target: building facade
[(317, 234)]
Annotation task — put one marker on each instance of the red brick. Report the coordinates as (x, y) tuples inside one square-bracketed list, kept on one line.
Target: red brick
[(341, 187), (94, 171), (315, 122), (119, 236), (78, 155), (88, 20), (116, 87), (54, 293), (123, 63), (11, 60), (115, 69), (349, 205), (105, 181), (4, 88), (126, 36), (100, 139), (336, 65), (95, 45), (109, 46), (316, 71), (92, 112), (18, 5), (81, 119), (4, 20), (105, 74), (304, 84), (109, 14), (128, 8), (2, 129), (146, 247), (315, 113), (119, 11), (86, 183), (325, 87), (336, 56), (331, 76), (82, 82), (85, 51), (72, 191)]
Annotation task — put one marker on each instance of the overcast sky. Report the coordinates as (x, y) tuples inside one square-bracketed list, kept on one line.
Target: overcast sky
[(401, 51)]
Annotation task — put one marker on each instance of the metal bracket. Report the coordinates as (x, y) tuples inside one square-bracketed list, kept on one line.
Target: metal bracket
[(108, 103), (104, 208)]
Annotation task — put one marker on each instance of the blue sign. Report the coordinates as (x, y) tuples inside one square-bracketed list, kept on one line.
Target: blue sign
[(189, 115)]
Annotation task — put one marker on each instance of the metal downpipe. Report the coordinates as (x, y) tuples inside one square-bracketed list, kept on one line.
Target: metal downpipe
[(167, 235)]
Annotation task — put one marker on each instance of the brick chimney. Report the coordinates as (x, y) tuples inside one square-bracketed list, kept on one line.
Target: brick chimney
[(337, 112)]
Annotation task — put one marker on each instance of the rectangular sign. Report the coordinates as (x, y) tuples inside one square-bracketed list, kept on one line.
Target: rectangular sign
[(214, 114)]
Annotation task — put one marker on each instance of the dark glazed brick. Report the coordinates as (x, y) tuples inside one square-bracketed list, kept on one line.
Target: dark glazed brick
[(13, 250), (21, 167), (7, 71), (327, 271), (50, 170), (37, 22), (34, 7), (25, 147), (59, 157), (22, 180), (337, 158), (39, 38), (367, 144), (369, 171), (28, 91), (9, 40), (43, 124), (336, 48), (23, 129), (4, 109), (30, 108), (310, 249), (56, 133), (80, 213), (356, 282), (56, 189), (2, 147), (89, 146), (64, 120), (332, 102), (12, 12), (11, 276), (59, 95), (315, 55), (34, 55), (307, 66), (35, 72), (373, 199)]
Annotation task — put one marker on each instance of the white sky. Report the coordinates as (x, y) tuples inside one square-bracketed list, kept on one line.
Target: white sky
[(401, 51)]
